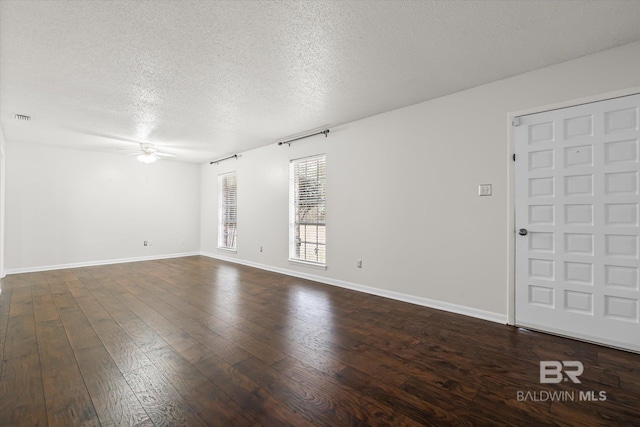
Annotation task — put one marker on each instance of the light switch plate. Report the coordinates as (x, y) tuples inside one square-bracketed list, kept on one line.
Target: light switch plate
[(484, 190)]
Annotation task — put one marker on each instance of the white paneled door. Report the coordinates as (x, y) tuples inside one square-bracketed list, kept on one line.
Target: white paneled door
[(577, 206)]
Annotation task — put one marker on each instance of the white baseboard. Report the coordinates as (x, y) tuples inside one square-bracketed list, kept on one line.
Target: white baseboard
[(426, 302), (412, 299), (96, 263)]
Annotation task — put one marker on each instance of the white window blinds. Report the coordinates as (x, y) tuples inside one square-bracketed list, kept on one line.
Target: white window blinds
[(227, 210), (308, 229)]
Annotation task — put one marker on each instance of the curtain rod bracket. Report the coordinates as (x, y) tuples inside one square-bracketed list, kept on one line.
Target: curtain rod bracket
[(323, 132)]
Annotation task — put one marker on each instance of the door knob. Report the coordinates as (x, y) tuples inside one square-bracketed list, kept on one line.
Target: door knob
[(523, 232)]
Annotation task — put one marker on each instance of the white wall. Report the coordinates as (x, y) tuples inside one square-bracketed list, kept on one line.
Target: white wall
[(402, 189), (67, 206), (2, 202)]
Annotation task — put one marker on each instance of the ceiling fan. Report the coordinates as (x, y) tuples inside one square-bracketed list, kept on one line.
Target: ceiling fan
[(149, 154)]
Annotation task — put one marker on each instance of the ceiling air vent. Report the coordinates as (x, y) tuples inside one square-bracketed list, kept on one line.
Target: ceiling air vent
[(22, 117)]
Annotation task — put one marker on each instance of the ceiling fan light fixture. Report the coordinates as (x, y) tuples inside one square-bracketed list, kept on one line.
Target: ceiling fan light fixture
[(147, 158)]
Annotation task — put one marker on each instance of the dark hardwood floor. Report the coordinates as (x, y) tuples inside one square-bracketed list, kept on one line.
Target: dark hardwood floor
[(195, 341)]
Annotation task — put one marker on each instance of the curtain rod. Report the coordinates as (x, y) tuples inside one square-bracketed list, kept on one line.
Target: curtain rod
[(226, 158), (324, 132)]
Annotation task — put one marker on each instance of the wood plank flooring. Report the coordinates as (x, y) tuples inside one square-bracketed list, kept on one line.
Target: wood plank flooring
[(195, 342)]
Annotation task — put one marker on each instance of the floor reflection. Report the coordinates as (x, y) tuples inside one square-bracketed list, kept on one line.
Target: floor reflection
[(227, 290)]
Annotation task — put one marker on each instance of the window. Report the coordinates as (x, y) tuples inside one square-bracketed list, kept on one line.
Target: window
[(227, 210), (308, 229)]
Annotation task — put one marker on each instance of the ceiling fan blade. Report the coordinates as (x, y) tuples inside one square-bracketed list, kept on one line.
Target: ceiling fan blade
[(158, 153)]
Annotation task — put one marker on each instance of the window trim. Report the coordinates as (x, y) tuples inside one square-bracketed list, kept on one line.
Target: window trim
[(292, 213), (316, 265), (221, 219)]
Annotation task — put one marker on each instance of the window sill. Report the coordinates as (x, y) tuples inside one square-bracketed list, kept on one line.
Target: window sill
[(233, 251), (308, 264)]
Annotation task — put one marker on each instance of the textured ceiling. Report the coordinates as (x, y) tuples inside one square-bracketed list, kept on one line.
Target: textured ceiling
[(204, 79)]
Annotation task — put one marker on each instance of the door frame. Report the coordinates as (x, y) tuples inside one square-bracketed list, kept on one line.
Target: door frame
[(2, 204), (511, 190)]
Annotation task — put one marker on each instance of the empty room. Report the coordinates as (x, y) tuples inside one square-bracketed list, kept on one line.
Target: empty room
[(319, 213)]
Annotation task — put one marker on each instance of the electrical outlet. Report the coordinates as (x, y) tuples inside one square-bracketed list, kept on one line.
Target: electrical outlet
[(359, 263), (146, 243), (260, 248)]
